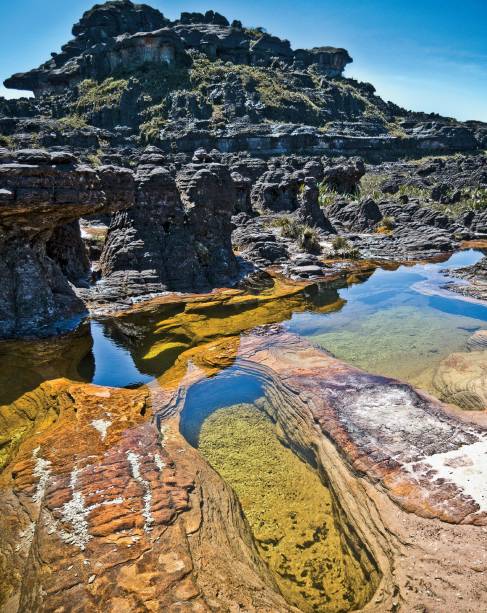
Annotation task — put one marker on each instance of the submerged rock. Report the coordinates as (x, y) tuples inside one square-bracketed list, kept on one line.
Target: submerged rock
[(461, 378)]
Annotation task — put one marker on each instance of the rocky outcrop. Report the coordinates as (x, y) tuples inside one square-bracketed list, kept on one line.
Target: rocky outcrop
[(200, 81), (476, 281), (127, 35), (461, 378), (39, 194), (109, 506), (176, 237)]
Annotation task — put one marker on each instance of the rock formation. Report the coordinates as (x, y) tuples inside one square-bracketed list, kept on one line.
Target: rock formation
[(40, 193), (200, 81), (107, 508), (177, 235)]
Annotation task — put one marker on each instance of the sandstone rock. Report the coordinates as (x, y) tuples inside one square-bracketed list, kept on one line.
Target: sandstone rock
[(461, 378), (176, 237), (478, 341)]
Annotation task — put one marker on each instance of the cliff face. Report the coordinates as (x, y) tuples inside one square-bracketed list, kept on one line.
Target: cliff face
[(201, 81), (39, 194)]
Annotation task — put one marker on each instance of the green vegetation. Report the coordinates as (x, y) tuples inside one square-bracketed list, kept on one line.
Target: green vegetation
[(386, 225), (343, 248), (307, 237), (289, 226), (255, 33), (150, 130), (75, 122), (95, 158), (387, 222), (328, 195), (370, 186), (275, 88), (93, 96), (309, 240), (473, 199), (413, 191), (7, 141)]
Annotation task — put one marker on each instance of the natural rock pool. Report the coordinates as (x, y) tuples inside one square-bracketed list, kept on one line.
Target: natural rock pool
[(292, 513), (396, 322)]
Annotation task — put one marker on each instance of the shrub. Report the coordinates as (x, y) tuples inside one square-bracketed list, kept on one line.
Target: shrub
[(340, 243), (289, 227), (6, 141), (327, 195), (342, 248), (309, 240), (412, 191), (386, 225), (370, 186)]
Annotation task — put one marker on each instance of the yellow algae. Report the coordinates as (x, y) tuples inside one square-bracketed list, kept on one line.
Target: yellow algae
[(204, 320), (289, 510), (27, 400)]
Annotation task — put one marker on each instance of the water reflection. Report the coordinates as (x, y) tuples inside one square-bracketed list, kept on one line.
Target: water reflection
[(389, 321), (398, 323)]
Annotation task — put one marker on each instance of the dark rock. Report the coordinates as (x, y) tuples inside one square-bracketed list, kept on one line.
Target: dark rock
[(343, 175), (176, 237), (39, 253)]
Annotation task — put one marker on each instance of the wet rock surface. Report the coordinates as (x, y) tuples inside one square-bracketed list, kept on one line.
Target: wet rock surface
[(110, 501)]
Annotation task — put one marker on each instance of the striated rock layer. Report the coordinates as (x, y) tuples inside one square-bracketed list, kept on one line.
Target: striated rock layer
[(39, 195), (112, 509)]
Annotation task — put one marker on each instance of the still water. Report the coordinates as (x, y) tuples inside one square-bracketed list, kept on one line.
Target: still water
[(396, 323)]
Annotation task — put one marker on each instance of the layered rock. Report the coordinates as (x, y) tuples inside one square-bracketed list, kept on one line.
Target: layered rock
[(108, 508), (176, 237), (124, 34), (200, 81), (461, 378), (40, 194)]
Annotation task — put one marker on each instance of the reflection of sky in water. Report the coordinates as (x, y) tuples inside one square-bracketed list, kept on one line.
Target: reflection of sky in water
[(394, 324), (225, 389), (388, 289), (388, 293), (114, 365)]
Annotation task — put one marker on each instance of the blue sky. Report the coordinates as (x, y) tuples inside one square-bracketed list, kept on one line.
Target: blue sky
[(426, 55)]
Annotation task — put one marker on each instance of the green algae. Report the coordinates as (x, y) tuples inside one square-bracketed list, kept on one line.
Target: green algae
[(289, 510), (404, 342)]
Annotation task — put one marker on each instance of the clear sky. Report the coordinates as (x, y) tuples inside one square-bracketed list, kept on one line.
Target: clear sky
[(428, 55)]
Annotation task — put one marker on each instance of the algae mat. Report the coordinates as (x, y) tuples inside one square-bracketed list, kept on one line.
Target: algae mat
[(289, 510)]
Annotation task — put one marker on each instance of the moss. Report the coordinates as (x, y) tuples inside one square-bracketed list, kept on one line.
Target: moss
[(289, 510), (93, 96), (75, 122)]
